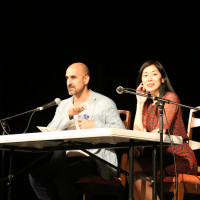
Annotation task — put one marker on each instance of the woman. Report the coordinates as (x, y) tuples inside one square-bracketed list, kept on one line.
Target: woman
[(153, 79)]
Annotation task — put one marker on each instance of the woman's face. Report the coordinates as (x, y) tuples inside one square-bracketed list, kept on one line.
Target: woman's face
[(152, 79)]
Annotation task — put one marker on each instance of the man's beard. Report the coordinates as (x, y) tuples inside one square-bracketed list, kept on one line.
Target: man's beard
[(75, 91), (71, 92)]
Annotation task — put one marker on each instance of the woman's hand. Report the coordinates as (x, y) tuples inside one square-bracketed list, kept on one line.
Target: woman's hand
[(141, 99)]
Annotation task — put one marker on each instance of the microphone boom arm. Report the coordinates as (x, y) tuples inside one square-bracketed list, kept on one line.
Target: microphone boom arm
[(160, 99), (27, 112), (55, 102)]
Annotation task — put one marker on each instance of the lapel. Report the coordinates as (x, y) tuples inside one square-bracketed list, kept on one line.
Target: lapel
[(91, 105)]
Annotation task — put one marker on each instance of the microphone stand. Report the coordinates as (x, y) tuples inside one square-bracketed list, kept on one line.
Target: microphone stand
[(27, 112), (6, 131), (160, 104), (4, 124), (3, 121), (5, 127)]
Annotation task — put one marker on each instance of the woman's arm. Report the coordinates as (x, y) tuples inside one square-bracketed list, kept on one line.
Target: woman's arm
[(138, 125)]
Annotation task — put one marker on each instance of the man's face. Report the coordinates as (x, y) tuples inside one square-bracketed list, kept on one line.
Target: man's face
[(75, 79)]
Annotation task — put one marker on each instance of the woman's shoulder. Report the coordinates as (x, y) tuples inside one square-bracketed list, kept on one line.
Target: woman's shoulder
[(172, 96)]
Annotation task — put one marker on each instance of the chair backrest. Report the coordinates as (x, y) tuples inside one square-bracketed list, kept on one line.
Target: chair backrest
[(192, 123), (127, 120), (124, 157)]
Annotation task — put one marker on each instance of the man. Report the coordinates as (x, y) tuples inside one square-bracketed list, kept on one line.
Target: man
[(56, 179)]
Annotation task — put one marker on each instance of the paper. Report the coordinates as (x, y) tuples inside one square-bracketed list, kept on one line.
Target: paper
[(72, 153), (46, 129)]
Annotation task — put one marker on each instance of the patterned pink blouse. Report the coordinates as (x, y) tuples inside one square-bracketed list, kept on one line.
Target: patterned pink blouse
[(173, 123)]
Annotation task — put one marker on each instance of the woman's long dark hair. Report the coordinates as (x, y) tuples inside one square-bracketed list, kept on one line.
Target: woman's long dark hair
[(166, 86)]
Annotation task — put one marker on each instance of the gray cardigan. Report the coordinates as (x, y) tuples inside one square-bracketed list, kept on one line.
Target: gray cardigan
[(104, 112)]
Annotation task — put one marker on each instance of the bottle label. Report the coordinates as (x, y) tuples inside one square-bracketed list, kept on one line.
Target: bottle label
[(83, 116)]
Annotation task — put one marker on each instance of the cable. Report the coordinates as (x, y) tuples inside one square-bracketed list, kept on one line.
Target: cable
[(30, 121), (26, 126), (3, 127)]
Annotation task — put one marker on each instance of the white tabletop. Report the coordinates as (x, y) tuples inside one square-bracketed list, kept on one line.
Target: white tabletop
[(94, 136)]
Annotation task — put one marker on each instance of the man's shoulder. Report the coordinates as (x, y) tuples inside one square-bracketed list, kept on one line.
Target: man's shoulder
[(66, 101), (100, 96)]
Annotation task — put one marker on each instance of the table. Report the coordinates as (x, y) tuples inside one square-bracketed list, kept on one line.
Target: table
[(88, 138)]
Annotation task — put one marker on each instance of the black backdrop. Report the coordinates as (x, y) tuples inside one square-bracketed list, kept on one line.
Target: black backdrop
[(40, 39)]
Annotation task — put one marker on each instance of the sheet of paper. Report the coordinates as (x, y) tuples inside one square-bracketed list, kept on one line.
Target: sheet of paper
[(46, 129), (72, 153)]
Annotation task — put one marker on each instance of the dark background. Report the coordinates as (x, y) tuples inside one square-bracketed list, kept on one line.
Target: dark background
[(39, 39)]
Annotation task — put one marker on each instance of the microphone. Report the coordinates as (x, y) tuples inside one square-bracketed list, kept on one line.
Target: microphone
[(48, 105), (120, 90)]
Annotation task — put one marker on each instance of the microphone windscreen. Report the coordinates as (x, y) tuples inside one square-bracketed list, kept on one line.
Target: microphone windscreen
[(120, 90), (57, 100)]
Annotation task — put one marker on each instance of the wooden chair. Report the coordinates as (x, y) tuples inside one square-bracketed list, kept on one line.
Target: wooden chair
[(93, 185), (186, 184)]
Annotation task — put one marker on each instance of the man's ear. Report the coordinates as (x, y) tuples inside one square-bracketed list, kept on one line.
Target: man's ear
[(86, 79)]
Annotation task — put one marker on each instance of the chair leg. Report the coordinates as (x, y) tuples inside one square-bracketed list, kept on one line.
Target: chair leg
[(83, 196), (87, 196), (181, 191), (179, 194), (176, 192)]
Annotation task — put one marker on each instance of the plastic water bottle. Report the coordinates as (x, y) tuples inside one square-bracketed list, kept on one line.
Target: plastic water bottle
[(82, 115)]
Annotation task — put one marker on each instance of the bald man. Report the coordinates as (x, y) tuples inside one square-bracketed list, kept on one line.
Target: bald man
[(56, 178)]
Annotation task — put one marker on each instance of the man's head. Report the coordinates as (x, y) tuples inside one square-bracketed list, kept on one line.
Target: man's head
[(77, 77)]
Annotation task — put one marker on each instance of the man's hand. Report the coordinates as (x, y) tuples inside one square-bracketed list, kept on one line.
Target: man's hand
[(75, 109), (85, 123)]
